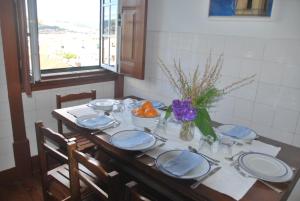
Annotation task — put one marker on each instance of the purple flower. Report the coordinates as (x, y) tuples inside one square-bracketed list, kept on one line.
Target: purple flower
[(183, 110)]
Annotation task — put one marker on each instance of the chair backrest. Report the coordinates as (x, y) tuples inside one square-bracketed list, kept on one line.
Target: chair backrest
[(110, 180), (44, 134), (72, 97), (132, 193)]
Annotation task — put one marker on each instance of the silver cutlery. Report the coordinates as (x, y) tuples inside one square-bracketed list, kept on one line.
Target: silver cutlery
[(231, 158), (201, 179), (113, 124), (150, 149), (211, 160), (237, 167), (155, 135)]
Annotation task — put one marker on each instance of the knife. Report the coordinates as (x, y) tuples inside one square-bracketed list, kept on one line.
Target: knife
[(198, 182)]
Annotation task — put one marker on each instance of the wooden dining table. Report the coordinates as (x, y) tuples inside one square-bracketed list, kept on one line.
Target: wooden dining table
[(176, 189)]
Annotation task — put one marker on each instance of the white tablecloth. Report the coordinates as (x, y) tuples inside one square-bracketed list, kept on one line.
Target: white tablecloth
[(227, 180)]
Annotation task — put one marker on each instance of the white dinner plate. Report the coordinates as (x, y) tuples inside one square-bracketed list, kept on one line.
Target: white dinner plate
[(139, 140), (265, 167), (200, 170), (103, 104), (227, 127), (95, 121)]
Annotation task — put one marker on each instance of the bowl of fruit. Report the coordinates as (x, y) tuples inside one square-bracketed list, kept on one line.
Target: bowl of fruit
[(145, 116)]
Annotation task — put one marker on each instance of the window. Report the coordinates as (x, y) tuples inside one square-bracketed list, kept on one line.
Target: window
[(65, 37)]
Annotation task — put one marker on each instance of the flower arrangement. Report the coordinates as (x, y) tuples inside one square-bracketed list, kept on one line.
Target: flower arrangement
[(197, 93)]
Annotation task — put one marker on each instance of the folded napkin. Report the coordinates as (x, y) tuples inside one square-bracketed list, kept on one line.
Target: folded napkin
[(139, 138), (96, 121), (157, 104), (183, 163), (82, 112), (238, 132)]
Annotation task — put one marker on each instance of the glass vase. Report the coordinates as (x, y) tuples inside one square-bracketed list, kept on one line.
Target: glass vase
[(187, 131)]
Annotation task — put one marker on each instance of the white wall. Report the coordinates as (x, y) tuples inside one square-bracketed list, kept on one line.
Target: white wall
[(6, 138), (269, 48)]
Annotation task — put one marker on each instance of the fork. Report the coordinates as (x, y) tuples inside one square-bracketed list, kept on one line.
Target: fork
[(237, 167)]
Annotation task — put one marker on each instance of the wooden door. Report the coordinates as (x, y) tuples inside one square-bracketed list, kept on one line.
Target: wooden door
[(133, 37)]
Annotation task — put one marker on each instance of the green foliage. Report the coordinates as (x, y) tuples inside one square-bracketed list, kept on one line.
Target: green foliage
[(207, 98), (168, 112), (69, 55), (203, 122)]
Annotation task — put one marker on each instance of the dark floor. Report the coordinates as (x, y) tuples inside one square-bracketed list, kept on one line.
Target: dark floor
[(26, 190)]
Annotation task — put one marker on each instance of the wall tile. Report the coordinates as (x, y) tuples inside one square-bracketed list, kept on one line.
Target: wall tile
[(291, 76), (276, 51), (232, 66), (250, 67), (296, 140), (6, 129), (286, 120), (268, 94), (290, 98), (7, 161), (4, 110), (243, 109), (298, 127), (263, 114), (253, 48), (272, 72), (44, 99), (233, 46), (216, 44), (28, 102)]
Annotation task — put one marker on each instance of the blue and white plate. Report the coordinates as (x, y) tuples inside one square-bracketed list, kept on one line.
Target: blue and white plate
[(265, 167), (201, 169), (133, 140), (95, 121), (237, 131)]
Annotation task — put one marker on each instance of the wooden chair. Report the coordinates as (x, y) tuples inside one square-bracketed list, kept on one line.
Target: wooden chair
[(132, 193), (108, 186), (55, 182), (82, 142)]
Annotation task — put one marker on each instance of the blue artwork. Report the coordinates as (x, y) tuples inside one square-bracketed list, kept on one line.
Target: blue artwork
[(240, 8)]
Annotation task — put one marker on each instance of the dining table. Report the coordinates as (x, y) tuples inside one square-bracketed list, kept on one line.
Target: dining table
[(178, 189)]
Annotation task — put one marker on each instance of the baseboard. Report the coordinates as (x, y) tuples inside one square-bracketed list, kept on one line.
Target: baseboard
[(11, 175)]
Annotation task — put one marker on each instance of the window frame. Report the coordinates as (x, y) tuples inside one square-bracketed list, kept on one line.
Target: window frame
[(70, 76), (90, 76)]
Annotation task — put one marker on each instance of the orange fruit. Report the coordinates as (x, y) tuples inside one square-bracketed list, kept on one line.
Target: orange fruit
[(147, 105), (139, 112), (151, 112)]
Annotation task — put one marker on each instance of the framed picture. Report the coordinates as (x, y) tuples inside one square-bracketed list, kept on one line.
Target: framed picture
[(240, 8)]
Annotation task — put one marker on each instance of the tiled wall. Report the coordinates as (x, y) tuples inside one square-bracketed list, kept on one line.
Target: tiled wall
[(41, 104), (6, 137), (270, 105)]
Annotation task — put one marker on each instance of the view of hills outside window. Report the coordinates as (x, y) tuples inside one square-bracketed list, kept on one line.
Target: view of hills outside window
[(68, 33)]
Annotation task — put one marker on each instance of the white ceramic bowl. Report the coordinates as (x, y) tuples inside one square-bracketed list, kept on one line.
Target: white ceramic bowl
[(142, 122)]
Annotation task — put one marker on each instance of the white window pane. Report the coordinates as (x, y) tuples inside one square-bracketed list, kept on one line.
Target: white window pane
[(68, 33)]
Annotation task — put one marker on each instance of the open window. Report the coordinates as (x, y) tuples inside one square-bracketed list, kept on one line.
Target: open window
[(66, 37)]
